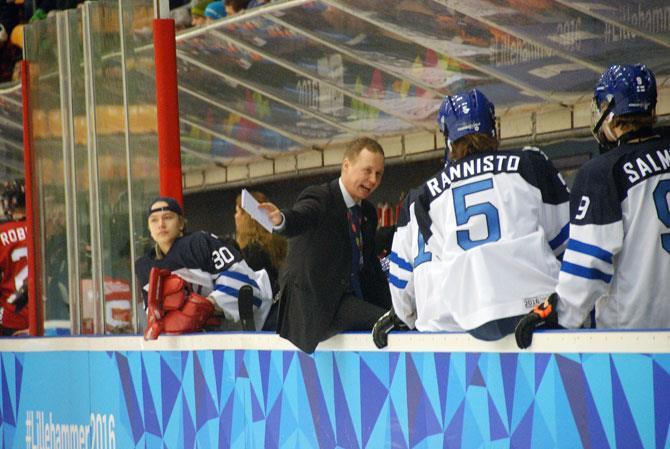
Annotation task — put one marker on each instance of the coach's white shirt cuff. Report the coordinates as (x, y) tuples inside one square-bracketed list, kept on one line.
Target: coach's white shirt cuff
[(281, 226)]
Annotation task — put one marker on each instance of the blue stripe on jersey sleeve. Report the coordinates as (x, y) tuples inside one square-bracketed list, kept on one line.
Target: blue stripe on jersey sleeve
[(590, 250), (402, 263), (239, 277), (584, 272), (397, 282), (230, 291), (560, 238)]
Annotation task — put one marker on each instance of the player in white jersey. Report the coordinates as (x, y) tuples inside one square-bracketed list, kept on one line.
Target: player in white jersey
[(618, 254), (480, 247)]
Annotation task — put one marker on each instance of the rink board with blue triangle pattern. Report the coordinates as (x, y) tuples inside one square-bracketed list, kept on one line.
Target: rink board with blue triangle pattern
[(285, 399)]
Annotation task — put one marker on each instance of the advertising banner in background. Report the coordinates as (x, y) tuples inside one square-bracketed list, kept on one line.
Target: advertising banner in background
[(281, 399)]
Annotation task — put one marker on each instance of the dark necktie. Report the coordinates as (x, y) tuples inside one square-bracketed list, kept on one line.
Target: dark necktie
[(354, 217)]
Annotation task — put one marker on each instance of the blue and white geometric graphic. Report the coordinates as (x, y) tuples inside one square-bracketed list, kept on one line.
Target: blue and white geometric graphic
[(286, 399)]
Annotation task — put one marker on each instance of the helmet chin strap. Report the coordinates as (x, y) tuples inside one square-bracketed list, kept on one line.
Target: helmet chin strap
[(607, 128), (603, 134), (447, 150), (603, 116)]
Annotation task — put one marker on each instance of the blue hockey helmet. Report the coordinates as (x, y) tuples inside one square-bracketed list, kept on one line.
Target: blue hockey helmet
[(623, 89), (464, 114)]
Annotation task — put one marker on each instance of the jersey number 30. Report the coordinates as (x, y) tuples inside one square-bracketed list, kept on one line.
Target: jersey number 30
[(663, 209), (464, 213), (221, 257)]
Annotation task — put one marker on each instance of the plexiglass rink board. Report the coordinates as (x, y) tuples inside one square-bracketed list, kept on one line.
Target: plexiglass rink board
[(11, 131), (96, 168), (49, 146)]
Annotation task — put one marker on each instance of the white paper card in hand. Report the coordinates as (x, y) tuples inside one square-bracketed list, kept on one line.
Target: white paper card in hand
[(250, 205)]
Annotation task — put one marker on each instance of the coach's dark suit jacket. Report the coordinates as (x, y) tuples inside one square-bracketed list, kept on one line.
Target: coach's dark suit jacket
[(318, 264)]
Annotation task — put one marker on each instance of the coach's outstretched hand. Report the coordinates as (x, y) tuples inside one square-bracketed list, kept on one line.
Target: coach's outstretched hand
[(273, 213), (383, 326), (542, 315)]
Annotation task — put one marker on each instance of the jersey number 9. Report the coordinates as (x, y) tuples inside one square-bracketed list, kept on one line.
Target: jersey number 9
[(663, 209)]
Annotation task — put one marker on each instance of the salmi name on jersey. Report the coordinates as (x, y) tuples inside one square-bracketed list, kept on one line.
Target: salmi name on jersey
[(647, 165), (492, 163)]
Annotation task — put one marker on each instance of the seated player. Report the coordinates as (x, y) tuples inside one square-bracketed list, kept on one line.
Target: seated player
[(618, 255), (476, 247), (214, 274), (13, 262)]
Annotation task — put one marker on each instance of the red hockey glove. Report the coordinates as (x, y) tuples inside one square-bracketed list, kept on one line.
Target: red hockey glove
[(192, 317), (542, 316), (167, 292), (174, 292)]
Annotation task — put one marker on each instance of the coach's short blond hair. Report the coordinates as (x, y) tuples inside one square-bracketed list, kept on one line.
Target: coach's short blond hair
[(362, 143)]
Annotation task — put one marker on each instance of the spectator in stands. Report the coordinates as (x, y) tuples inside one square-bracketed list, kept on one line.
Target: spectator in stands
[(476, 247), (44, 7), (198, 12), (618, 255), (332, 280), (257, 3), (235, 6), (182, 18), (178, 4), (214, 270), (260, 249), (10, 53), (215, 11)]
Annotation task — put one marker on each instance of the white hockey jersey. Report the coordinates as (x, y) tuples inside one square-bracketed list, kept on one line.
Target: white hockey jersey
[(480, 242), (618, 254)]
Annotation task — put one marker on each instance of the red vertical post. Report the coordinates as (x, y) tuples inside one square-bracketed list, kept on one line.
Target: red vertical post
[(167, 105), (36, 318)]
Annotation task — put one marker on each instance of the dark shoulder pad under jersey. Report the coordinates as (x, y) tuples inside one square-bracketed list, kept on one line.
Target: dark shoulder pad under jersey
[(536, 169), (421, 198), (404, 216), (216, 255), (594, 198)]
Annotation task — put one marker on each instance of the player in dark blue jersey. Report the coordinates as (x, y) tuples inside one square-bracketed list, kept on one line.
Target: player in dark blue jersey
[(618, 254), (213, 270)]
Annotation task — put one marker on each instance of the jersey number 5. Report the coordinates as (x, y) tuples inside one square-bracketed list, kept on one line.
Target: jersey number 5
[(663, 209), (464, 213)]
